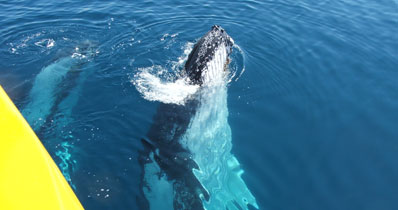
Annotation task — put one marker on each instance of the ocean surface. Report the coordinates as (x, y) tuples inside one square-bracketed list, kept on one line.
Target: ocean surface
[(312, 104)]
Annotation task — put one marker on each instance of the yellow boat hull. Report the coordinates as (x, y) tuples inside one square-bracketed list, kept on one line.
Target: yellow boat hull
[(29, 178)]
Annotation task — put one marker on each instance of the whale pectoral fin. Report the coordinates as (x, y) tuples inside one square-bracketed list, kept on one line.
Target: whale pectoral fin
[(157, 190)]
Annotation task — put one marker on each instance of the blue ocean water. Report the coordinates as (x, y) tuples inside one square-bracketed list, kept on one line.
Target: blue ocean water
[(313, 111)]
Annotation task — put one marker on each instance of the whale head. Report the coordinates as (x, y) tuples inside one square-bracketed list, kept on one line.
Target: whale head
[(87, 49), (208, 59)]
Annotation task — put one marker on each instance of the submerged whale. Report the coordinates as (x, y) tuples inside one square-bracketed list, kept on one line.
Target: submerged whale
[(53, 88), (186, 161), (53, 96)]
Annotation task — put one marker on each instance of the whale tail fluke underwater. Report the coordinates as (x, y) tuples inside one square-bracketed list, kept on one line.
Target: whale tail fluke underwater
[(186, 158)]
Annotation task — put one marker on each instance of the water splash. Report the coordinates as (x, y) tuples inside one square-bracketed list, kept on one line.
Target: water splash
[(153, 86), (16, 47), (171, 85), (47, 43)]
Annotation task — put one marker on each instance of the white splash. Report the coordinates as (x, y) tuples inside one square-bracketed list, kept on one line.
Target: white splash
[(156, 83), (47, 43), (17, 47), (155, 88)]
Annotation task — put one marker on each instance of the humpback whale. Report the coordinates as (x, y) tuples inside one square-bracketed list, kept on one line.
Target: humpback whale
[(186, 158), (54, 94), (53, 84)]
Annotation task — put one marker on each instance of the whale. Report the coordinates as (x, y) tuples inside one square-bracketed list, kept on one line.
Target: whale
[(186, 157), (54, 94), (52, 86)]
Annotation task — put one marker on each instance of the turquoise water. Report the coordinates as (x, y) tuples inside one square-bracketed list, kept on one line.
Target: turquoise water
[(312, 108)]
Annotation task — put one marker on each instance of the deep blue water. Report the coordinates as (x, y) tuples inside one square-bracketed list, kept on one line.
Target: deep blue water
[(313, 116)]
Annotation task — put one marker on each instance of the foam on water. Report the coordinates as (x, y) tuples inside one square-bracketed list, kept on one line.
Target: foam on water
[(48, 43), (171, 86), (155, 88)]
